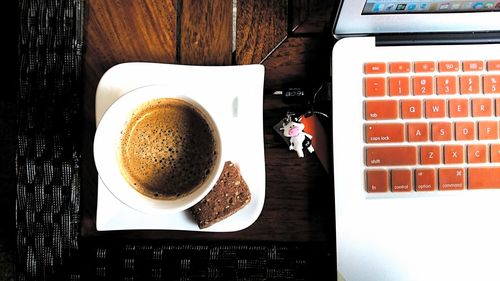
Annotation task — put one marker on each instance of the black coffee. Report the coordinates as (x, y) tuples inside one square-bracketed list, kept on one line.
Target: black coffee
[(167, 149)]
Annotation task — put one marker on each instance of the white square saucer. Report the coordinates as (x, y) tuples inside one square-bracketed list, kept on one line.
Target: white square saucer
[(235, 95)]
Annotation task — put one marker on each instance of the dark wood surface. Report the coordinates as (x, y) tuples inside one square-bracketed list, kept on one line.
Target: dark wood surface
[(299, 197), (204, 35), (260, 27)]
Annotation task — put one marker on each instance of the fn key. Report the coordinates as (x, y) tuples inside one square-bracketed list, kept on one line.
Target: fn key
[(484, 177)]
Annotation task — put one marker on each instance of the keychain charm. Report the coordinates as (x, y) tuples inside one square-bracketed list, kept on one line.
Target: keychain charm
[(294, 129)]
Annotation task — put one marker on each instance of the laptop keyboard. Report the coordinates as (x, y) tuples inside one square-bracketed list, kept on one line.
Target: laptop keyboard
[(431, 125)]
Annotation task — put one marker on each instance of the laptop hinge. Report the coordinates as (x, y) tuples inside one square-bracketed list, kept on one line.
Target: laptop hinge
[(437, 38)]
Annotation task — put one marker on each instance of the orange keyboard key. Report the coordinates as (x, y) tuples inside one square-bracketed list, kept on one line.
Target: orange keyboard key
[(446, 85), (453, 154), (491, 84), (375, 86), (391, 156), (493, 65), (477, 153), (384, 132), (417, 132), (381, 109), (465, 131), (435, 108), (497, 106), (441, 131), (469, 84), (495, 152), (401, 181), (451, 179), (399, 86), (473, 65), (377, 181), (430, 154), (375, 67), (482, 107), (488, 130), (399, 67), (425, 180), (411, 109), (458, 108), (423, 85), (484, 177), (425, 66), (448, 66)]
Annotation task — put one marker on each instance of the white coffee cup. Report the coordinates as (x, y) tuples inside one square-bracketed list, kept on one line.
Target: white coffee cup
[(107, 143)]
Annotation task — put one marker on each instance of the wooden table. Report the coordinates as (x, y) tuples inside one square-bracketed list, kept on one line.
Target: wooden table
[(290, 38)]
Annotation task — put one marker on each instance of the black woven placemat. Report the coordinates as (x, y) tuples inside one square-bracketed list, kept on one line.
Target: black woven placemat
[(48, 182)]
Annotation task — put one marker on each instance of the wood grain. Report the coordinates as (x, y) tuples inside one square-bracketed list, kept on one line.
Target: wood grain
[(315, 16), (260, 26), (205, 32), (117, 31)]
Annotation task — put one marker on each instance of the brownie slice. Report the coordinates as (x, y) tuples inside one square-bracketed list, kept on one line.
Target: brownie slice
[(229, 195)]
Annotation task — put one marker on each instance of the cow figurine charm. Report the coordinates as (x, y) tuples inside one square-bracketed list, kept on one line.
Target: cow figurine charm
[(294, 129)]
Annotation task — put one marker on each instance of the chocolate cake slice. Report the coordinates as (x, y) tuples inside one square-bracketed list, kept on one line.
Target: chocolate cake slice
[(229, 195)]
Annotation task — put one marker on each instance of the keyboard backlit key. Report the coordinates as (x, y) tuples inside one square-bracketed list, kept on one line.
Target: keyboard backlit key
[(483, 177), (495, 153), (473, 65), (448, 66), (425, 180), (458, 108), (391, 156), (430, 154), (401, 180), (469, 84), (375, 86), (399, 67), (453, 154), (491, 84), (435, 108), (399, 86), (482, 107), (384, 132), (377, 181), (465, 130), (375, 68), (493, 65), (423, 85), (488, 130), (411, 109), (451, 179), (441, 131), (477, 153), (446, 85), (417, 131), (425, 66), (381, 109)]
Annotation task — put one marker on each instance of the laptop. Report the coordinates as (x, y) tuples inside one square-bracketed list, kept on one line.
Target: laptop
[(416, 139)]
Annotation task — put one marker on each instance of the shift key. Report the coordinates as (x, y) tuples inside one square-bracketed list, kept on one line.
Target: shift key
[(391, 156), (484, 177)]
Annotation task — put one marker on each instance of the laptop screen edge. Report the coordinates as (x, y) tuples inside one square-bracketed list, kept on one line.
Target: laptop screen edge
[(351, 22)]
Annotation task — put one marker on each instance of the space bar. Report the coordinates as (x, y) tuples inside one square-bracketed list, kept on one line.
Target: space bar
[(484, 177)]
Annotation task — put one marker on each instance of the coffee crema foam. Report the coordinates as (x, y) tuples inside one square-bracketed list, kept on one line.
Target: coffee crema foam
[(167, 149)]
